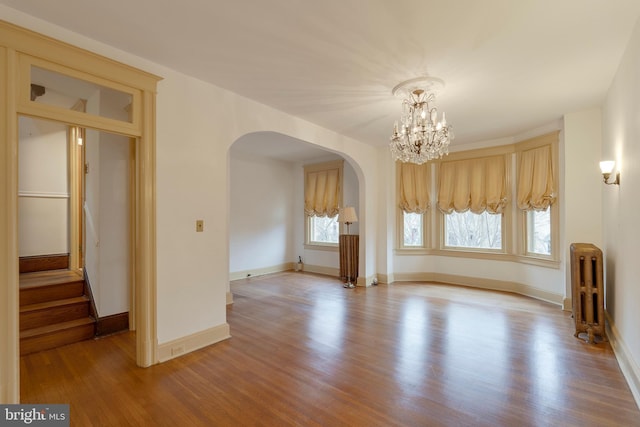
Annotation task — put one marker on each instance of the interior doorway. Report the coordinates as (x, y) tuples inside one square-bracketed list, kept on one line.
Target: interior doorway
[(23, 54), (76, 199)]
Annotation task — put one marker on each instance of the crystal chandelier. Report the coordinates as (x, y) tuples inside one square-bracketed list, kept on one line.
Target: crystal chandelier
[(420, 136)]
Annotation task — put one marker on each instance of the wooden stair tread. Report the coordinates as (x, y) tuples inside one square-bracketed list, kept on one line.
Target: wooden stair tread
[(28, 333), (56, 303), (52, 277)]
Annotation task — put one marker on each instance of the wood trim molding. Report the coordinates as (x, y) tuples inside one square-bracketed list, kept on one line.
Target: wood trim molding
[(48, 48), (16, 42), (145, 248), (9, 291), (193, 342), (112, 324), (29, 264), (108, 324), (93, 310)]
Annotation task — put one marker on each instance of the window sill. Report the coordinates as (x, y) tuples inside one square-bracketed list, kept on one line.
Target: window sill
[(330, 247), (494, 256)]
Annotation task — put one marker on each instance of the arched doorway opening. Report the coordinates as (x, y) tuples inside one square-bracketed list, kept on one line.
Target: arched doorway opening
[(267, 226)]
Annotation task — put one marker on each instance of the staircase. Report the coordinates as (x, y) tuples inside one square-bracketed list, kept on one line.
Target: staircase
[(54, 310)]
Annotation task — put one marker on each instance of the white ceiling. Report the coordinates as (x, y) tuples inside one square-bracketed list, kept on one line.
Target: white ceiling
[(509, 65)]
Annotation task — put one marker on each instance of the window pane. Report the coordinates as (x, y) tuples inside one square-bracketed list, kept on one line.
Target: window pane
[(469, 230), (324, 229), (52, 88), (412, 229), (539, 232)]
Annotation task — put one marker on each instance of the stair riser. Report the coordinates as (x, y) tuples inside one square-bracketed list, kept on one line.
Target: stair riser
[(56, 339), (48, 316), (51, 293)]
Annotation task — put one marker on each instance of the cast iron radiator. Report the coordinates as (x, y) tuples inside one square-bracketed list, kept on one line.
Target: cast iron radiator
[(587, 288)]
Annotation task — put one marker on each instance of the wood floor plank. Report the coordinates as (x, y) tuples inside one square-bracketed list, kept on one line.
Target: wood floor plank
[(307, 352)]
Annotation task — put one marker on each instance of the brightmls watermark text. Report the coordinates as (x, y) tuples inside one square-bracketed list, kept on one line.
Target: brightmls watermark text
[(34, 415)]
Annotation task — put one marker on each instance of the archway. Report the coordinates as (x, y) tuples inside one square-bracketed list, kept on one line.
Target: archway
[(266, 199)]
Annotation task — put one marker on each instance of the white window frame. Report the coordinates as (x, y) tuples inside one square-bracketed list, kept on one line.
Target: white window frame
[(523, 226), (424, 234), (308, 243), (427, 219), (503, 238), (309, 232)]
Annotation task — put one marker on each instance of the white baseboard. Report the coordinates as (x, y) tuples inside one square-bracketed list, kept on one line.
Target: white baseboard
[(237, 275), (476, 282), (386, 278), (229, 298), (319, 269), (628, 366), (181, 346), (290, 266)]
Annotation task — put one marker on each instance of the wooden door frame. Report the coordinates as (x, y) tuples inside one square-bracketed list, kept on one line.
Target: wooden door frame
[(19, 48), (75, 160)]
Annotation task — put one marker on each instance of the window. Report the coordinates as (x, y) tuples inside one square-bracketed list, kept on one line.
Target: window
[(322, 196), (472, 195), (413, 235), (491, 203), (470, 230), (536, 196), (539, 232), (323, 230), (413, 201)]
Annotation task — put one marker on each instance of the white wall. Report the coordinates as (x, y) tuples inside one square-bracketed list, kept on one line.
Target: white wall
[(113, 295), (261, 188), (262, 209), (42, 188), (582, 180), (621, 142), (106, 210), (197, 124)]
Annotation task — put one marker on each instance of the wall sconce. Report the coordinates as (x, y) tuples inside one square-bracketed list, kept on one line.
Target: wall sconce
[(606, 166)]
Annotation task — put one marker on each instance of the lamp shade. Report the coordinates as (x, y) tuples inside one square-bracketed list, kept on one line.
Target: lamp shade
[(606, 166), (348, 215)]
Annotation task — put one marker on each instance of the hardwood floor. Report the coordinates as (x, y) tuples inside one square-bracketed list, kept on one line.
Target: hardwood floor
[(305, 351)]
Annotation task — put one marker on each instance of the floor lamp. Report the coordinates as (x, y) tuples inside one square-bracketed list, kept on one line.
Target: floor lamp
[(348, 216)]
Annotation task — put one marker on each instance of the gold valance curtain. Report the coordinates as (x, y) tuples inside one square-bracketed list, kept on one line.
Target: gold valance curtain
[(414, 187), (535, 179), (477, 185), (322, 191)]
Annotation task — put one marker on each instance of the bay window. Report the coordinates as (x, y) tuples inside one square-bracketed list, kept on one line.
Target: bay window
[(496, 202)]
